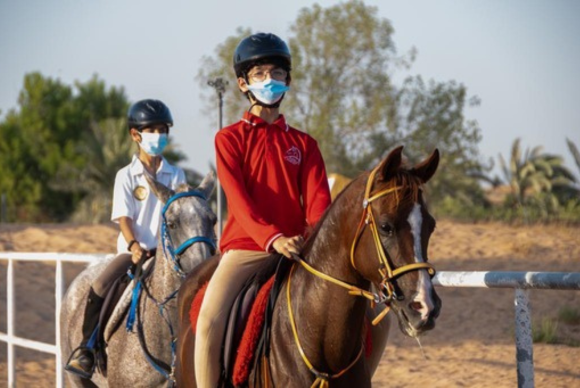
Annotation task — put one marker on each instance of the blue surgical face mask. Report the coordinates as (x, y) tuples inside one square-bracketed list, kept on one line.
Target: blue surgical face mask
[(269, 91), (153, 143)]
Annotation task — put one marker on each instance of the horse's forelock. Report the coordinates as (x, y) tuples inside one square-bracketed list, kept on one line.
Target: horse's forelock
[(183, 187), (409, 188)]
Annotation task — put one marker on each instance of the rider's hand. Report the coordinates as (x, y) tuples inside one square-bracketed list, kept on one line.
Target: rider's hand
[(137, 253), (288, 245)]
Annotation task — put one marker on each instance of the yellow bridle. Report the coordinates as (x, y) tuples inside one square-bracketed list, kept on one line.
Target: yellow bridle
[(388, 274)]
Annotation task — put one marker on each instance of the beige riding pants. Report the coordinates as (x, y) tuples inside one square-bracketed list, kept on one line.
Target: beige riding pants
[(234, 268)]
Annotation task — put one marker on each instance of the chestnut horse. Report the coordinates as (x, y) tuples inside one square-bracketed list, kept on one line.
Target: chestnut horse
[(371, 244)]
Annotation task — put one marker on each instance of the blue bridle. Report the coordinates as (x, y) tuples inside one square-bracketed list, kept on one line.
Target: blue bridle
[(167, 243), (166, 237)]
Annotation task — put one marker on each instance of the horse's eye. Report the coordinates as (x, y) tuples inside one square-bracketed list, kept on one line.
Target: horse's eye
[(171, 225), (387, 229)]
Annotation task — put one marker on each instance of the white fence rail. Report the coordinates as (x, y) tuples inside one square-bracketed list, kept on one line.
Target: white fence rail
[(520, 281), (13, 340)]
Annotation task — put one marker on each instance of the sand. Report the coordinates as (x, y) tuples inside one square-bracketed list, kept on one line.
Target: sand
[(472, 345)]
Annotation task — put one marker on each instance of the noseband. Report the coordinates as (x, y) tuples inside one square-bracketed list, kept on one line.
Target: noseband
[(166, 236)]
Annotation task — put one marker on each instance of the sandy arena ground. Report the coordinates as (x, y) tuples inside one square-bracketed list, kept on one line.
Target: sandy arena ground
[(472, 345)]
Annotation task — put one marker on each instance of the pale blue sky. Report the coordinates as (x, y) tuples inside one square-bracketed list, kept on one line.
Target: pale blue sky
[(521, 57)]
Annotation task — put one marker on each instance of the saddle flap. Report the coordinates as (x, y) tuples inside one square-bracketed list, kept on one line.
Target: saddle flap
[(117, 302)]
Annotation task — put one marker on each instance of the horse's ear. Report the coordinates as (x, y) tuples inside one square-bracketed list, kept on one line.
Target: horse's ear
[(162, 192), (207, 184), (426, 169), (391, 164)]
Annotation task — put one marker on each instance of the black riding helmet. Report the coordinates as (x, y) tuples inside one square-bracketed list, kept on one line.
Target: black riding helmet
[(259, 47), (147, 112)]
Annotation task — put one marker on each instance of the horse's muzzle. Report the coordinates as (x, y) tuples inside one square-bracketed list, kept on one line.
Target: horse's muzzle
[(415, 318)]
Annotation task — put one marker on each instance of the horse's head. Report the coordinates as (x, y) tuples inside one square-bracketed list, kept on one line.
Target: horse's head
[(187, 231), (390, 247)]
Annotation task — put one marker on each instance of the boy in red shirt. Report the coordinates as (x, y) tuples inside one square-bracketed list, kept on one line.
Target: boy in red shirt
[(275, 181)]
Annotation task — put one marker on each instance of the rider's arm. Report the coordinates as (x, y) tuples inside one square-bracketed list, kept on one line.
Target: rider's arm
[(315, 190), (246, 212), (123, 210)]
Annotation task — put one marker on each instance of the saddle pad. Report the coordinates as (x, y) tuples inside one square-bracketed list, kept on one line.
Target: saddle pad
[(196, 306), (251, 335)]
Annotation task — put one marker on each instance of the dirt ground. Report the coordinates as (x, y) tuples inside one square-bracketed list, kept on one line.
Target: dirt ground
[(472, 345)]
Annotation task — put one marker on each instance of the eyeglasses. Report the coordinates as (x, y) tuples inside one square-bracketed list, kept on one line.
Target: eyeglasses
[(155, 128), (277, 74)]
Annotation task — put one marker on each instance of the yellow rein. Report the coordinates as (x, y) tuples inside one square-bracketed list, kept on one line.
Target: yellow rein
[(321, 378), (385, 270)]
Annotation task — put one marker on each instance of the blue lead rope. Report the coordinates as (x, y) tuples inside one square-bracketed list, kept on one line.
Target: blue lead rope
[(134, 301)]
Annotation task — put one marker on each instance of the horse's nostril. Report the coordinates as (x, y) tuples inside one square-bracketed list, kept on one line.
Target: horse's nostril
[(417, 306)]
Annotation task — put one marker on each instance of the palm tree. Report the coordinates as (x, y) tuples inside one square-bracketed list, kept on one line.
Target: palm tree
[(537, 180), (574, 151), (106, 147)]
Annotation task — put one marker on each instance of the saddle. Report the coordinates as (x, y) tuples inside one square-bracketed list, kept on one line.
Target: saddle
[(248, 327)]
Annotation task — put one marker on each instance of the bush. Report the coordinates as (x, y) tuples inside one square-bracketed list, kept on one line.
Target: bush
[(545, 332)]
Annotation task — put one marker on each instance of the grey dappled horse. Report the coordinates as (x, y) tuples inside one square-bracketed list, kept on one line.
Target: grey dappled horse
[(188, 219)]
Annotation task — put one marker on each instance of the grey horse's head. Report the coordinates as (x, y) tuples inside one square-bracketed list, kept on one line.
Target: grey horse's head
[(189, 221)]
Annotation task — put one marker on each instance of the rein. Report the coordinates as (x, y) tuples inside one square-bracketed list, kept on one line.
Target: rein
[(387, 272), (321, 377)]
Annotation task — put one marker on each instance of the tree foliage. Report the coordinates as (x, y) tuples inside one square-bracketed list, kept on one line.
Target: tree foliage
[(60, 150), (538, 181), (342, 93)]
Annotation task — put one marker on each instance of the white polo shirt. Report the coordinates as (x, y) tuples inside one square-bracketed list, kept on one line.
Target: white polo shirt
[(133, 198)]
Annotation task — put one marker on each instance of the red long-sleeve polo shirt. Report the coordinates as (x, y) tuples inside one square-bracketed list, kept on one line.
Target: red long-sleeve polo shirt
[(274, 179)]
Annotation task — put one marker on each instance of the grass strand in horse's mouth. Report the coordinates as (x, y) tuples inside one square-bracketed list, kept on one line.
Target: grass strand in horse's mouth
[(411, 331), (425, 357)]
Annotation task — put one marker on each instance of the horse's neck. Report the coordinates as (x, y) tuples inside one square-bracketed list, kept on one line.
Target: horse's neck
[(332, 313), (164, 280)]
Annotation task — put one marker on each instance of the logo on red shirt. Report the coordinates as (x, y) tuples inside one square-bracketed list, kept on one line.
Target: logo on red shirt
[(293, 155)]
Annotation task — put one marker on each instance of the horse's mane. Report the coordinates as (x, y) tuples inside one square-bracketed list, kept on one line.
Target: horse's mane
[(409, 185)]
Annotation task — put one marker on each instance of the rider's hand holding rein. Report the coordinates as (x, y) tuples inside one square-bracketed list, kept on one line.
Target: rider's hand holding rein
[(137, 253), (288, 245)]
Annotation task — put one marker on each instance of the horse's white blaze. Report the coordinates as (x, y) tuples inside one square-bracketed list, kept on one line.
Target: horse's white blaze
[(423, 297)]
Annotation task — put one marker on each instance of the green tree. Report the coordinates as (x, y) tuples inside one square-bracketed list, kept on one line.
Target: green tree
[(220, 66), (106, 147), (41, 139), (343, 94), (432, 116)]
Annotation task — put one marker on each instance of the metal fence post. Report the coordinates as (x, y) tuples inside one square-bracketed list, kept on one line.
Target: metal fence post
[(10, 323), (3, 215), (219, 84), (58, 293), (524, 341)]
